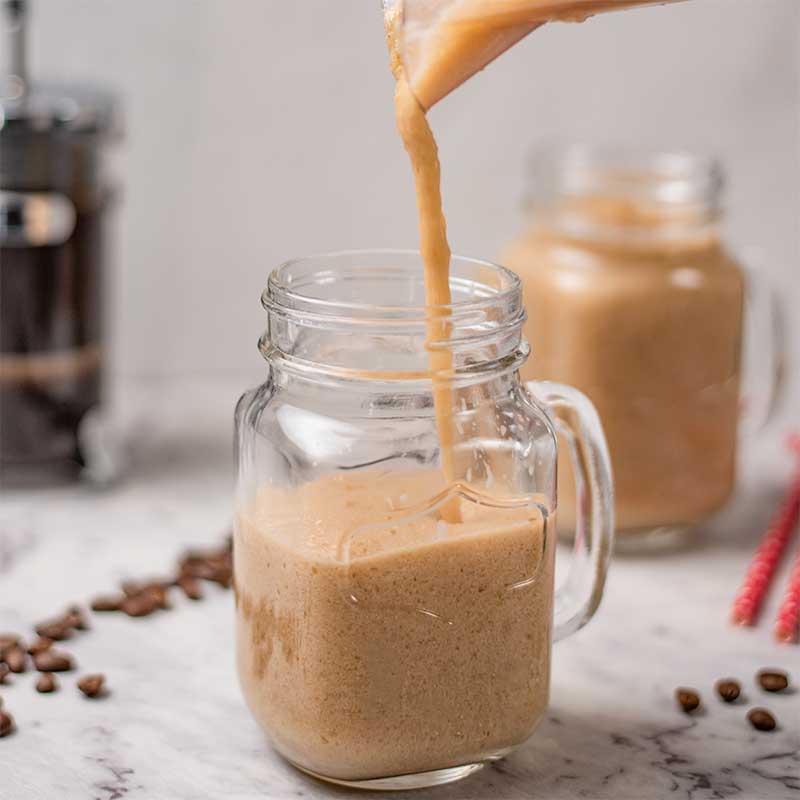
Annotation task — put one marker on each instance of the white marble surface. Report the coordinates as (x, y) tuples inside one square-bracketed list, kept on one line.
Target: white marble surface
[(176, 728)]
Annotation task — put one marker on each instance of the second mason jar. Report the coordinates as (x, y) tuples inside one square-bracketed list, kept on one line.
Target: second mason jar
[(633, 298)]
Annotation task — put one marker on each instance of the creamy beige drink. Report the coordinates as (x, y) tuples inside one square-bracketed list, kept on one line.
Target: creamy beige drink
[(375, 639), (640, 307)]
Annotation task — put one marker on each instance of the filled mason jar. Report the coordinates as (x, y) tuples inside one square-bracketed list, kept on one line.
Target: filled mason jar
[(634, 299), (394, 627)]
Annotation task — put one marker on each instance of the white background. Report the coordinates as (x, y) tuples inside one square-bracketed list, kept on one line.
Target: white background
[(257, 130)]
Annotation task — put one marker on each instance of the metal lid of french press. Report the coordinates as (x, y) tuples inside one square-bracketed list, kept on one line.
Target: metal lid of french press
[(58, 109), (50, 141), (42, 107)]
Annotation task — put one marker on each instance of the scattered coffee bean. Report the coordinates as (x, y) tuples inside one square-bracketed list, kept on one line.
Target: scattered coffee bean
[(144, 598), (39, 645), (16, 658), (53, 660), (226, 580), (728, 689), (772, 680), (6, 724), (196, 567), (132, 588), (688, 699), (92, 685), (158, 594), (47, 683), (108, 602), (138, 599), (140, 605), (190, 587), (7, 641), (55, 629), (209, 565), (76, 618), (761, 719)]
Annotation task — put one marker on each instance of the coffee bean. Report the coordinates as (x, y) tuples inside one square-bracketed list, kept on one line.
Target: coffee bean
[(225, 580), (210, 565), (92, 685), (16, 658), (39, 645), (196, 567), (6, 724), (56, 629), (158, 594), (75, 617), (140, 605), (53, 660), (761, 719), (144, 595), (223, 571), (728, 689), (47, 683), (7, 641), (688, 699), (108, 602), (131, 588), (4, 671), (190, 587), (772, 680)]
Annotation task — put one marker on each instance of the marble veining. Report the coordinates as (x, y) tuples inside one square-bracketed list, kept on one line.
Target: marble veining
[(176, 728)]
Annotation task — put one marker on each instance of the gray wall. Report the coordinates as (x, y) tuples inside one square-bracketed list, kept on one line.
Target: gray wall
[(257, 130)]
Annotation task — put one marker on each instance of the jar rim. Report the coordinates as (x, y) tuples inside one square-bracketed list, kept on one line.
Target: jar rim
[(280, 293), (343, 313), (666, 176)]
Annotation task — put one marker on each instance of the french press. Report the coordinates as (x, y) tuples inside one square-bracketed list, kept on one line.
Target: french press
[(54, 203)]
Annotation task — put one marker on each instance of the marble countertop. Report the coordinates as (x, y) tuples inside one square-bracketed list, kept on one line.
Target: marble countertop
[(175, 727)]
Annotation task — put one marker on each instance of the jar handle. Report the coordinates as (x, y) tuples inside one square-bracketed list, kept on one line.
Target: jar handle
[(577, 599), (764, 350)]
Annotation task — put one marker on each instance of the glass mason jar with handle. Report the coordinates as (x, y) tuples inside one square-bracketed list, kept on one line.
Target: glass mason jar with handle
[(393, 628), (634, 299)]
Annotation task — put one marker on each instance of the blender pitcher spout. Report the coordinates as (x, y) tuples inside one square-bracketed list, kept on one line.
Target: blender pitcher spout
[(445, 42), (441, 47)]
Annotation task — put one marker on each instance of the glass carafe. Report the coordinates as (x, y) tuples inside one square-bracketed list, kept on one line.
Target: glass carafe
[(634, 299), (380, 641)]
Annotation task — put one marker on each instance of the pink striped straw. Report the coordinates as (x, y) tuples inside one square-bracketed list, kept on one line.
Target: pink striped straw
[(788, 620), (768, 555)]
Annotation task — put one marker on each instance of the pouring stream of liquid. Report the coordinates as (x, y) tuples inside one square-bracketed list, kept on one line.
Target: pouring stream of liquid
[(422, 151), (435, 45)]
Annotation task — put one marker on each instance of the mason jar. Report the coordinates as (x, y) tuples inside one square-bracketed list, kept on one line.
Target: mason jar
[(394, 626), (634, 299)]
